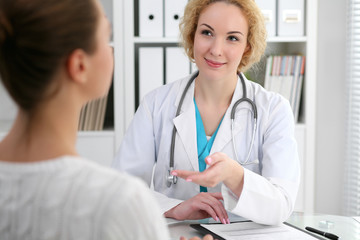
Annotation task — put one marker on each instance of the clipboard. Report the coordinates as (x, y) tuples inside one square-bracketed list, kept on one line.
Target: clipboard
[(203, 230)]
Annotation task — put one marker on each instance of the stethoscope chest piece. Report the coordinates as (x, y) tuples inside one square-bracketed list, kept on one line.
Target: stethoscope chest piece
[(171, 178)]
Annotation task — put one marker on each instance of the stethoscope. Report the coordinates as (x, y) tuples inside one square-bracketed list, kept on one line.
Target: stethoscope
[(173, 179)]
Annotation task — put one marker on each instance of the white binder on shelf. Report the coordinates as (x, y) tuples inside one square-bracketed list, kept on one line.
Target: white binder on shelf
[(275, 75), (174, 10), (177, 64), (268, 71), (151, 18), (299, 84), (296, 73), (282, 75), (287, 78), (268, 9), (151, 69), (291, 17)]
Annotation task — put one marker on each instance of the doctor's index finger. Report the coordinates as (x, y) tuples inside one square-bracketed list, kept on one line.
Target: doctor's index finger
[(183, 173), (201, 178), (215, 158), (205, 178)]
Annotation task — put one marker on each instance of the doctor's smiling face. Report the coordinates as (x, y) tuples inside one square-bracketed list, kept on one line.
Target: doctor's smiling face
[(220, 40)]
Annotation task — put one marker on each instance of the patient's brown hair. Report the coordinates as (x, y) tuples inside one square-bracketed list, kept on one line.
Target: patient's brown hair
[(35, 39)]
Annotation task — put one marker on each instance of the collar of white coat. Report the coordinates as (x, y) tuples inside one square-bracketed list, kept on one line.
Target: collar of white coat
[(225, 135), (189, 98), (185, 123)]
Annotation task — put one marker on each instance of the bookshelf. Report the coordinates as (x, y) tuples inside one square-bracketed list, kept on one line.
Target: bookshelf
[(304, 45)]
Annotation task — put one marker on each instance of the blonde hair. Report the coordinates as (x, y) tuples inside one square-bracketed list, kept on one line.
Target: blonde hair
[(256, 34)]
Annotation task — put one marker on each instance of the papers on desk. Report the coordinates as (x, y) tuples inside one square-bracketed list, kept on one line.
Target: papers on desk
[(232, 218), (251, 231)]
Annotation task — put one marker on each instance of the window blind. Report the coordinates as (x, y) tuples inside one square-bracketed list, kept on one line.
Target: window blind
[(352, 163)]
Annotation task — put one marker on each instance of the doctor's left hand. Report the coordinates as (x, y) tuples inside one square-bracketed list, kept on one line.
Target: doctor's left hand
[(221, 169), (202, 205)]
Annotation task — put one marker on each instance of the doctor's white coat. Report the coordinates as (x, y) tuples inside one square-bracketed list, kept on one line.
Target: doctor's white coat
[(270, 186)]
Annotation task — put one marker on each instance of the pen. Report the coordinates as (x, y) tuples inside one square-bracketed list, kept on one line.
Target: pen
[(325, 234)]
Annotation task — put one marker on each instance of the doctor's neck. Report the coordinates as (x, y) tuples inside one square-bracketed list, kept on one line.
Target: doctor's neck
[(218, 91)]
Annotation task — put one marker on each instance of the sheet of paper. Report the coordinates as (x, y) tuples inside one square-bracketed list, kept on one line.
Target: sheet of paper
[(252, 231), (232, 218)]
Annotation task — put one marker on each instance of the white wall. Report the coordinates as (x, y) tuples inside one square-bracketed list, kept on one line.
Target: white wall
[(330, 129), (8, 108)]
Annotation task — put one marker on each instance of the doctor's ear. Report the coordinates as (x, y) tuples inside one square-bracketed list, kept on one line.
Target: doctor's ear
[(248, 47), (77, 66)]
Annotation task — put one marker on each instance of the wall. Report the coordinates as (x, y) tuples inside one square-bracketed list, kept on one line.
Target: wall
[(330, 126), (8, 109)]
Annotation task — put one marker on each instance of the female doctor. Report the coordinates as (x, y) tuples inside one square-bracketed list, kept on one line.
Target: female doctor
[(254, 165)]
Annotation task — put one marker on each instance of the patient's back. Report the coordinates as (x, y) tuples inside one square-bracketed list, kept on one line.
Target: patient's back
[(73, 198)]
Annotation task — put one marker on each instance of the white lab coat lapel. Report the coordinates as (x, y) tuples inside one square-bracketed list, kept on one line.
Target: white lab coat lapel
[(185, 125), (224, 135)]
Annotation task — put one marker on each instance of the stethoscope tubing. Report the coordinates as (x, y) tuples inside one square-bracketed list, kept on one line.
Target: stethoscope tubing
[(173, 179)]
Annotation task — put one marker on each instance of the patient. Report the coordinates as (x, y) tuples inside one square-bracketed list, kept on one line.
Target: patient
[(55, 57)]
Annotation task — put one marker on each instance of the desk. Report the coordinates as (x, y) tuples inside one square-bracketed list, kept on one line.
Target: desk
[(345, 227)]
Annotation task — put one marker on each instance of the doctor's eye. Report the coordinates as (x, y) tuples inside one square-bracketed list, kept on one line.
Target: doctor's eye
[(233, 38), (206, 33)]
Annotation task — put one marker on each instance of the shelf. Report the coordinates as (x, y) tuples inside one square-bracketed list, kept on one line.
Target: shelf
[(176, 40), (286, 39), (104, 133), (98, 146), (300, 126), (155, 40)]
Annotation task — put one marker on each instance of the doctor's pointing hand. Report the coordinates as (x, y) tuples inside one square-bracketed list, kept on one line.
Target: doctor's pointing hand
[(229, 141), (221, 169)]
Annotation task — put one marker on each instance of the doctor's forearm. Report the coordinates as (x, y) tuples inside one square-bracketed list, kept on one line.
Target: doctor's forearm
[(266, 200), (235, 179)]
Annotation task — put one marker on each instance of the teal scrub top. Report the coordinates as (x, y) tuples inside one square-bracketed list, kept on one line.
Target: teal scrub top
[(203, 145)]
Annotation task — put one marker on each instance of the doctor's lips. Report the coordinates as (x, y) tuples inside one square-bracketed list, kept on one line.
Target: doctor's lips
[(213, 64)]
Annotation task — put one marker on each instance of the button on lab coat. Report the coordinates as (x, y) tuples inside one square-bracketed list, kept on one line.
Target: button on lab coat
[(270, 186)]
